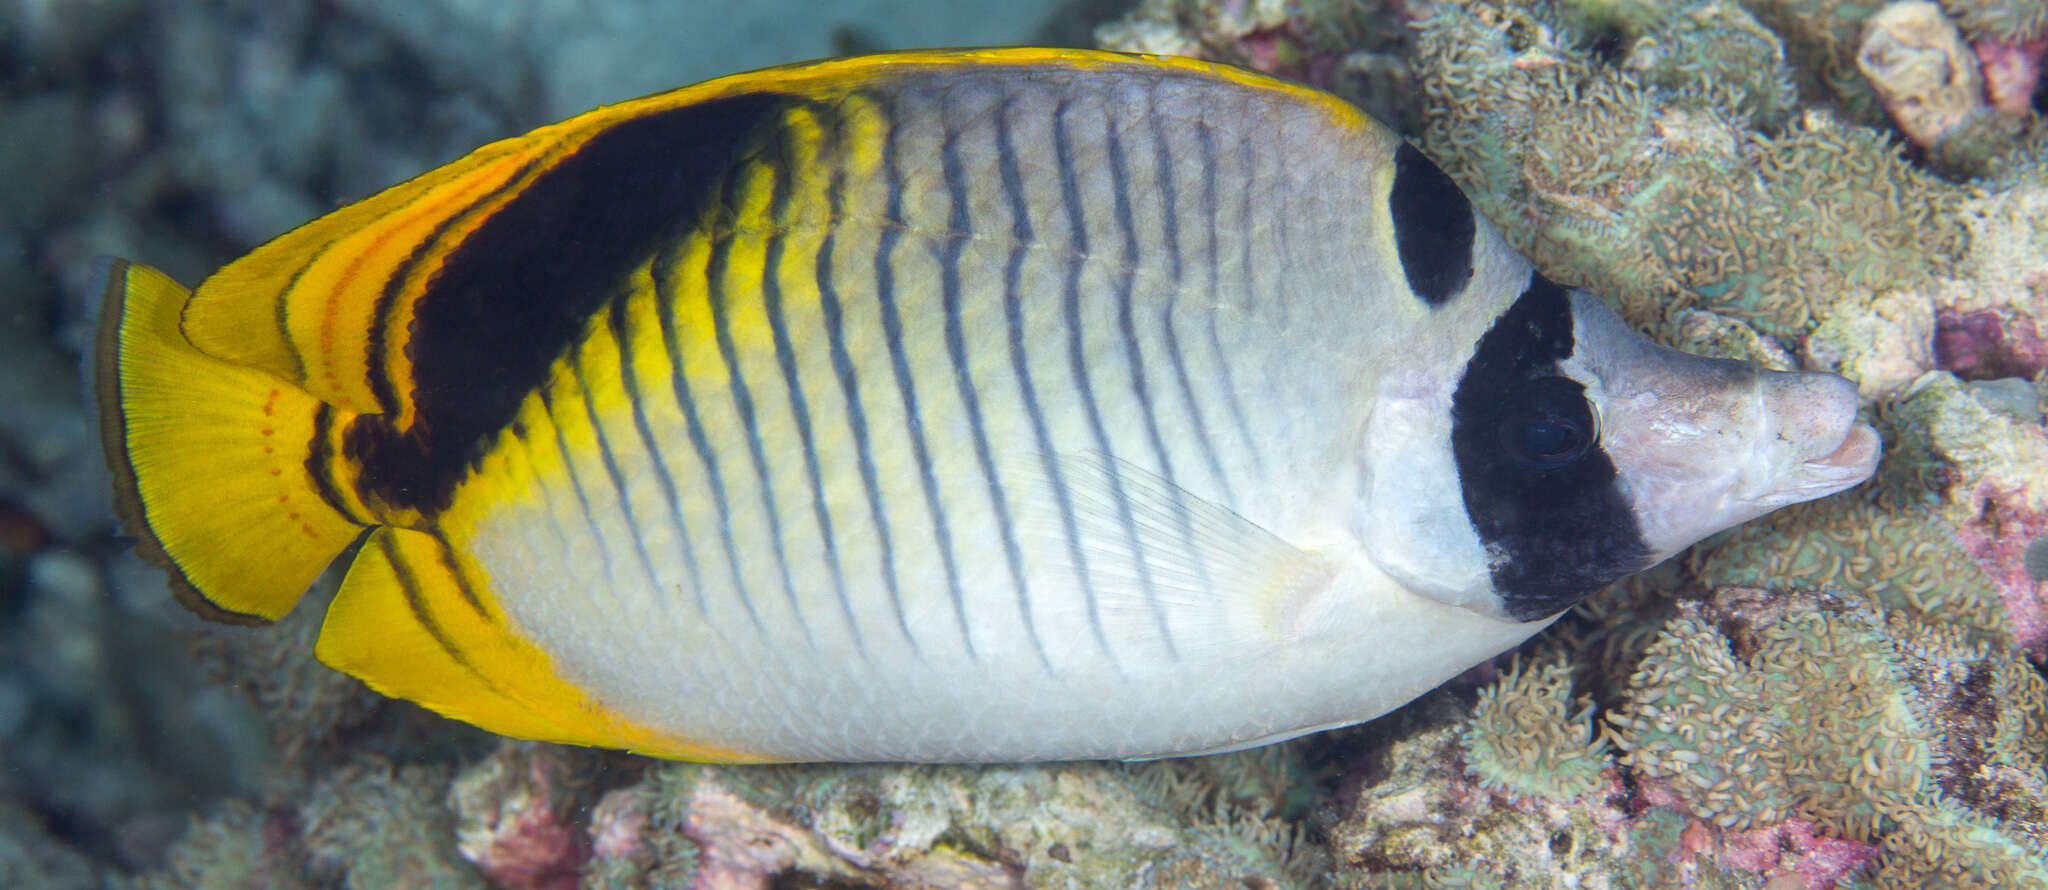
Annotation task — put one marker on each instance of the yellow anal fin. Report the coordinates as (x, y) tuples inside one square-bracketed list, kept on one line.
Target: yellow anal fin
[(213, 462), (413, 620)]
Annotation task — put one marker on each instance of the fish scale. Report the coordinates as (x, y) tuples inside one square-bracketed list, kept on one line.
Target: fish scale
[(948, 406)]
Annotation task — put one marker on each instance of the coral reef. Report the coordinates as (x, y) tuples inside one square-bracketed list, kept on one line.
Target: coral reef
[(1846, 693), (1770, 738), (514, 819), (1528, 736), (1656, 191)]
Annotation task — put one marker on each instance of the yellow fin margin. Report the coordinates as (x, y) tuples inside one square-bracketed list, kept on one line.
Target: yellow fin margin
[(302, 305), (412, 621), (210, 460)]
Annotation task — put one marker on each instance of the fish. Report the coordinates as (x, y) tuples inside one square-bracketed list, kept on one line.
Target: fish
[(945, 406)]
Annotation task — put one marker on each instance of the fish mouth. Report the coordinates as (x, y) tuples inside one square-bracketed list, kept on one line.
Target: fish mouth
[(1851, 461)]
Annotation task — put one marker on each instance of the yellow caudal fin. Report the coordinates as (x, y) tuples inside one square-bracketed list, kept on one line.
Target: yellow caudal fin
[(415, 620), (214, 463)]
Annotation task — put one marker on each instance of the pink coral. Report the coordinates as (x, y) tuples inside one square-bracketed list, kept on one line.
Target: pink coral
[(1988, 344), (617, 824), (514, 820), (1997, 538), (1279, 52), (744, 847), (1791, 850), (2011, 72)]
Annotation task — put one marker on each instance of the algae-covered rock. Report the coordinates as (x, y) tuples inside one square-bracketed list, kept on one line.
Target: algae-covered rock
[(1082, 826)]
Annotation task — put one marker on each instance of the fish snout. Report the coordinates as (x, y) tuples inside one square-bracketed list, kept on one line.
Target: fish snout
[(1816, 445)]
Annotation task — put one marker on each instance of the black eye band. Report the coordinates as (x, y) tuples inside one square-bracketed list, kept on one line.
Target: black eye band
[(1549, 424), (1538, 487)]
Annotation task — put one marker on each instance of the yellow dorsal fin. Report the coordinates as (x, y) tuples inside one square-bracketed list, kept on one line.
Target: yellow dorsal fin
[(307, 305), (214, 464), (327, 306)]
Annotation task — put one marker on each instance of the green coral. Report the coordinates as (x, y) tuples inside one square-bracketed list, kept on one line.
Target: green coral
[(225, 850), (1528, 736), (1695, 717), (1952, 423), (1716, 54), (1880, 542), (372, 826), (1871, 726), (1826, 36), (1651, 177), (2012, 21), (1418, 825)]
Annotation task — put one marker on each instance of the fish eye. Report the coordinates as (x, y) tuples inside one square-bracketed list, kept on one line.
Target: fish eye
[(1550, 426)]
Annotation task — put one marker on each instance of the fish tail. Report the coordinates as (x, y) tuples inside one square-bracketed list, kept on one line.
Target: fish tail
[(224, 473)]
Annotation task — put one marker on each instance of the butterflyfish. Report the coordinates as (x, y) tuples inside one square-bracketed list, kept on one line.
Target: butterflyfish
[(994, 405)]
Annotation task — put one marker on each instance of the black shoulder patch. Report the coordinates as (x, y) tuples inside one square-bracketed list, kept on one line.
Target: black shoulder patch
[(1537, 486), (518, 291), (1433, 227)]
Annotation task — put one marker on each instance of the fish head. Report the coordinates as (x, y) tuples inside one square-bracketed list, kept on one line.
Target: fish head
[(1581, 452), (1702, 444)]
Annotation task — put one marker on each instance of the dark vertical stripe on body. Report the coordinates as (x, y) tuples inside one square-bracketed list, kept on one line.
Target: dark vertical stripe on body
[(720, 304), (629, 378), (547, 406), (959, 230), (1020, 363), (574, 365), (1169, 214), (463, 584), (849, 390), (1247, 201), (799, 406), (1126, 275), (1210, 210), (693, 426), (508, 299), (893, 225)]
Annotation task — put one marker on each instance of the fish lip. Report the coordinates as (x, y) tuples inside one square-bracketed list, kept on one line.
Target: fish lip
[(1851, 461)]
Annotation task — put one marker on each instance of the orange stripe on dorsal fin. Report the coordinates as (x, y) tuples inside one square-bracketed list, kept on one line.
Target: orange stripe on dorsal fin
[(327, 306), (307, 305)]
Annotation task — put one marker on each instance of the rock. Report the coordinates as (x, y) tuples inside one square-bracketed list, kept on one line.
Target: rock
[(1925, 74)]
